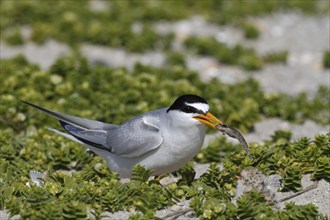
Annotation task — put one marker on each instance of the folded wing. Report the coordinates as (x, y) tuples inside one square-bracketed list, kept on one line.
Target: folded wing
[(132, 139), (136, 137)]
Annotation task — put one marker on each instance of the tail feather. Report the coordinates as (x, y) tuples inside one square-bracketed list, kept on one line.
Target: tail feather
[(84, 131), (66, 135), (91, 137), (76, 121)]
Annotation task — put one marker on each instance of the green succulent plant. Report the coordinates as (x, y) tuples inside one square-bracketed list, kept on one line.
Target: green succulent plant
[(251, 31), (326, 59), (236, 55), (292, 179), (276, 57)]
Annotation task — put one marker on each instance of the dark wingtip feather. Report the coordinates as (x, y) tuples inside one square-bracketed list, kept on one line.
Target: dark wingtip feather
[(33, 105), (93, 144)]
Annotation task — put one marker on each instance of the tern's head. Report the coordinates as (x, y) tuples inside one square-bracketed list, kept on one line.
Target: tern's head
[(195, 109)]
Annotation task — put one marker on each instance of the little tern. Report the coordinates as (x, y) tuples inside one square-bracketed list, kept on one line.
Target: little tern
[(162, 140)]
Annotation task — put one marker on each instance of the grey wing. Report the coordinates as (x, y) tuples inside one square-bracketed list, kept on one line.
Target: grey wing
[(131, 139), (136, 137)]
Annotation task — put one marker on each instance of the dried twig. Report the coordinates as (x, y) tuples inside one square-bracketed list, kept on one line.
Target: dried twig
[(313, 186), (176, 214)]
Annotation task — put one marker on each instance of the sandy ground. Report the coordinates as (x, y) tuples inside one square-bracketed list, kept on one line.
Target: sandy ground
[(306, 38)]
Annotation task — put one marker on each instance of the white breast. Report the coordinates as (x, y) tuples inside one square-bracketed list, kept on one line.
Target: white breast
[(182, 141)]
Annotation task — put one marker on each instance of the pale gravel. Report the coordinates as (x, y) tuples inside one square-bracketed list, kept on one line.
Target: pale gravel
[(293, 80), (295, 32), (197, 26), (43, 55), (121, 58)]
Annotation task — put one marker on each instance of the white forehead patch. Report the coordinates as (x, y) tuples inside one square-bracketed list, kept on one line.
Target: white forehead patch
[(200, 106)]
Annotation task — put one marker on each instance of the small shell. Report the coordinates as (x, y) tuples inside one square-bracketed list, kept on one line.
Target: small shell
[(37, 177)]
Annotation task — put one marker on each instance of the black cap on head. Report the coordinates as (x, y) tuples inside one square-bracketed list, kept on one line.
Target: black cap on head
[(181, 104)]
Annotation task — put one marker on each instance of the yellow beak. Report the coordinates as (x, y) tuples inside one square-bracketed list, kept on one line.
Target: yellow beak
[(209, 120)]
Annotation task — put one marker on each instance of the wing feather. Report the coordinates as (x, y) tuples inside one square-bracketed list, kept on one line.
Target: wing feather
[(135, 137), (131, 139)]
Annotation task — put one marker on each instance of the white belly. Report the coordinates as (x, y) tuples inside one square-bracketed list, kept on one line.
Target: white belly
[(174, 152)]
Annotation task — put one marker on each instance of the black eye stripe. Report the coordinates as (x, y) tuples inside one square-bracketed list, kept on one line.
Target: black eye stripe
[(200, 112), (191, 109)]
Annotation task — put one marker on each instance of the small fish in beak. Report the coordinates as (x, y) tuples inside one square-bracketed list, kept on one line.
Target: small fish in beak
[(234, 133)]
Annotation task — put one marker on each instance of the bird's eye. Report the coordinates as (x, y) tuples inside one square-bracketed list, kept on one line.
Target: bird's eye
[(189, 109)]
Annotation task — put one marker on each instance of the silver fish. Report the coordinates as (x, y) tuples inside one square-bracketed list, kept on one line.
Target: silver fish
[(234, 133)]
